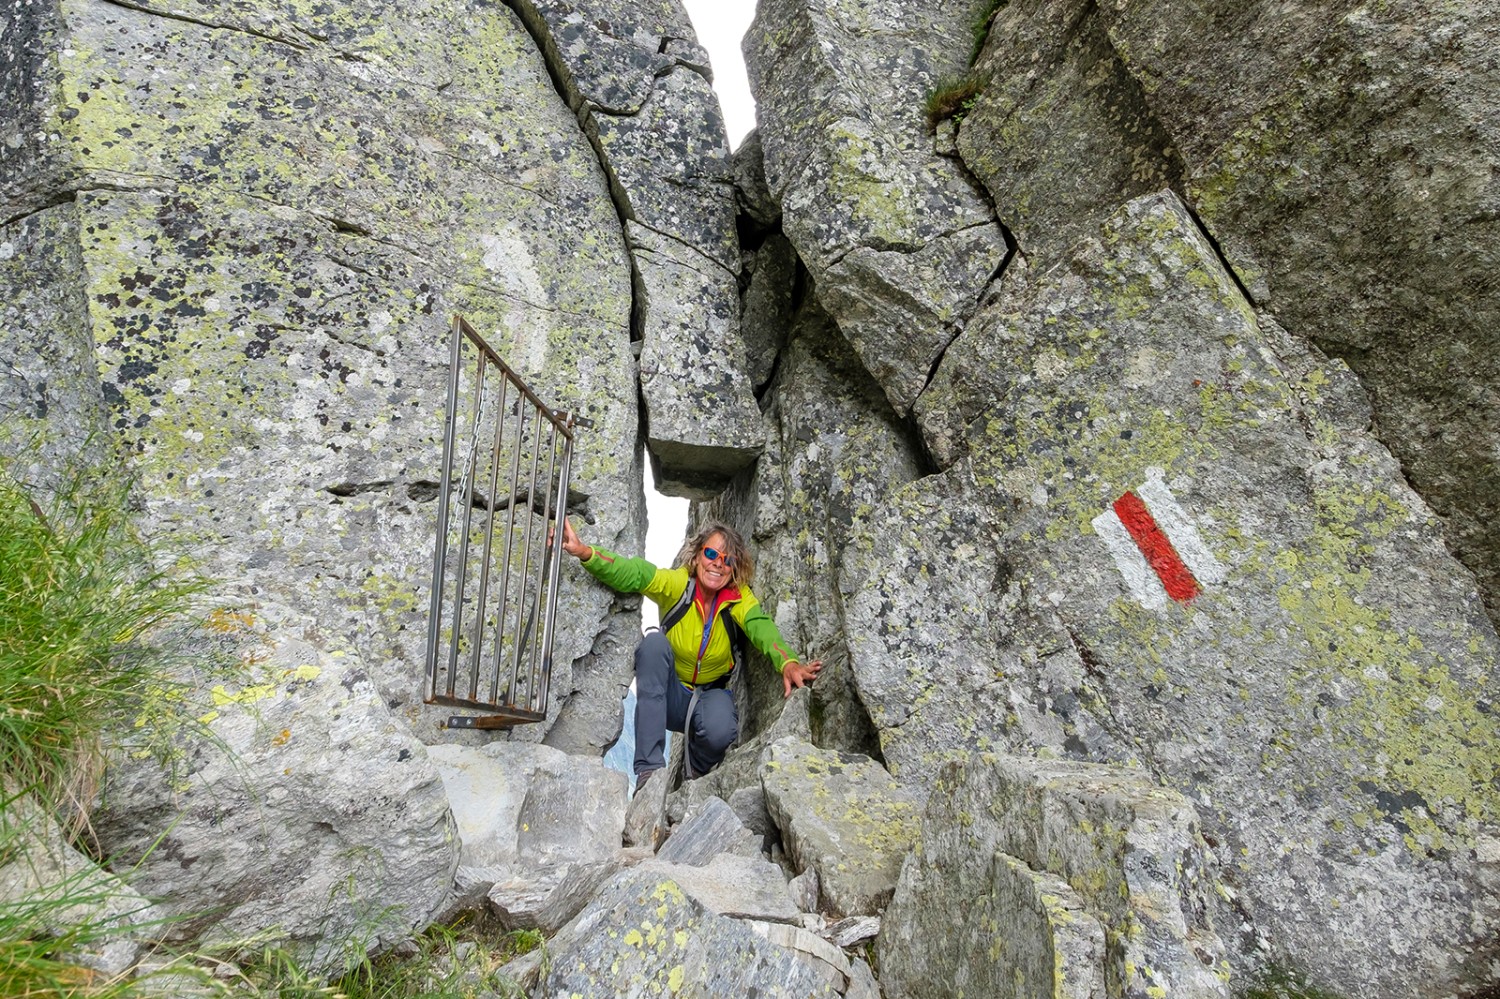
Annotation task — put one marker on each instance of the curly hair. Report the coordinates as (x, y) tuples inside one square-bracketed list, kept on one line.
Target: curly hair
[(734, 546)]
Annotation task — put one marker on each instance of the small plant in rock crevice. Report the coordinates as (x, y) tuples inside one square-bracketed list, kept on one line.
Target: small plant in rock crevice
[(954, 96), (951, 98)]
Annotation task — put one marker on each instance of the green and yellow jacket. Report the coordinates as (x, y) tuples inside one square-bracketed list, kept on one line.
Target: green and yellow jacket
[(700, 644)]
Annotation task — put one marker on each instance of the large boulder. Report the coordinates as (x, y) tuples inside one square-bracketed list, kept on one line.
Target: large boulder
[(842, 816), (1342, 155), (1172, 540), (644, 936), (897, 240), (266, 269), (303, 812), (1078, 879)]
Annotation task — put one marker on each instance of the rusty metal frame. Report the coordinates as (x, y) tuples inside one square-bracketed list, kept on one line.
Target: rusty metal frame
[(523, 696)]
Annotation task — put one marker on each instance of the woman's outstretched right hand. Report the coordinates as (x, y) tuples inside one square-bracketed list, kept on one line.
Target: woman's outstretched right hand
[(572, 544)]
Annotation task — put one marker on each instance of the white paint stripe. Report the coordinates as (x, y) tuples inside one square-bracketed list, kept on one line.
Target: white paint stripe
[(1140, 578), (1180, 529)]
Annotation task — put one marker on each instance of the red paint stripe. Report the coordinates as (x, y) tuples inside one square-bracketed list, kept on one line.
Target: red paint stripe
[(1154, 544)]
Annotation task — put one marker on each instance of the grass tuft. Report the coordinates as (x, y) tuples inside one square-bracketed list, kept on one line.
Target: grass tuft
[(461, 961), (81, 591), (80, 594), (951, 98)]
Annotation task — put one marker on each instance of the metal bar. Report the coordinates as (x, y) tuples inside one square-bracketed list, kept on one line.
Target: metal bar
[(489, 352), (489, 537), (525, 567), (510, 533), (534, 664), (536, 585), (513, 718), (463, 552), (440, 547), (552, 588)]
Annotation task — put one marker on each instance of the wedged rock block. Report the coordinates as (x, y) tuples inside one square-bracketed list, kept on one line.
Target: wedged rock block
[(276, 215), (610, 53), (843, 816), (643, 936), (898, 242), (309, 815), (702, 421), (1080, 879), (1344, 159), (1170, 539), (516, 803)]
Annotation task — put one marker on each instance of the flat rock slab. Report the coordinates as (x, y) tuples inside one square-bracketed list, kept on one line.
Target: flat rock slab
[(742, 887), (843, 815), (644, 936), (708, 831), (824, 959), (517, 801)]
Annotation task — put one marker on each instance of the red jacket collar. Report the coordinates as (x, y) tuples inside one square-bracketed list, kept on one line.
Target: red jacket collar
[(726, 595)]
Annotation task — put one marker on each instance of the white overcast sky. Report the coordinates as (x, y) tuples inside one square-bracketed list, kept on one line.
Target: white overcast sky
[(720, 25)]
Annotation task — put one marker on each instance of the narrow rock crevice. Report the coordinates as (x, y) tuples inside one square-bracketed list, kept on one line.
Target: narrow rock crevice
[(219, 25), (53, 201), (980, 300), (1218, 250), (343, 489)]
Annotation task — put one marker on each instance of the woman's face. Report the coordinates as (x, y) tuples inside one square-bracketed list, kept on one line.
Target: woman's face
[(713, 574)]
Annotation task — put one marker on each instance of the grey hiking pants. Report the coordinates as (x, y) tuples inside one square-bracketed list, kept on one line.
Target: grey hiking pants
[(661, 702)]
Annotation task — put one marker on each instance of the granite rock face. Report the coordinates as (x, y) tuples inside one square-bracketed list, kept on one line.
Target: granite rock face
[(314, 815), (1308, 607), (1342, 157), (271, 218), (897, 239)]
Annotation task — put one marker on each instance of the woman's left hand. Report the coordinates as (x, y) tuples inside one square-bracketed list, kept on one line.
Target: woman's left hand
[(795, 674)]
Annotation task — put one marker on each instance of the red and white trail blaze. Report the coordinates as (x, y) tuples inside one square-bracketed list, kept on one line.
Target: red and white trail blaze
[(1156, 545)]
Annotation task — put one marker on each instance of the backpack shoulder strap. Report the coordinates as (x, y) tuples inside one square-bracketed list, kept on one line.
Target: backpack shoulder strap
[(671, 617)]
